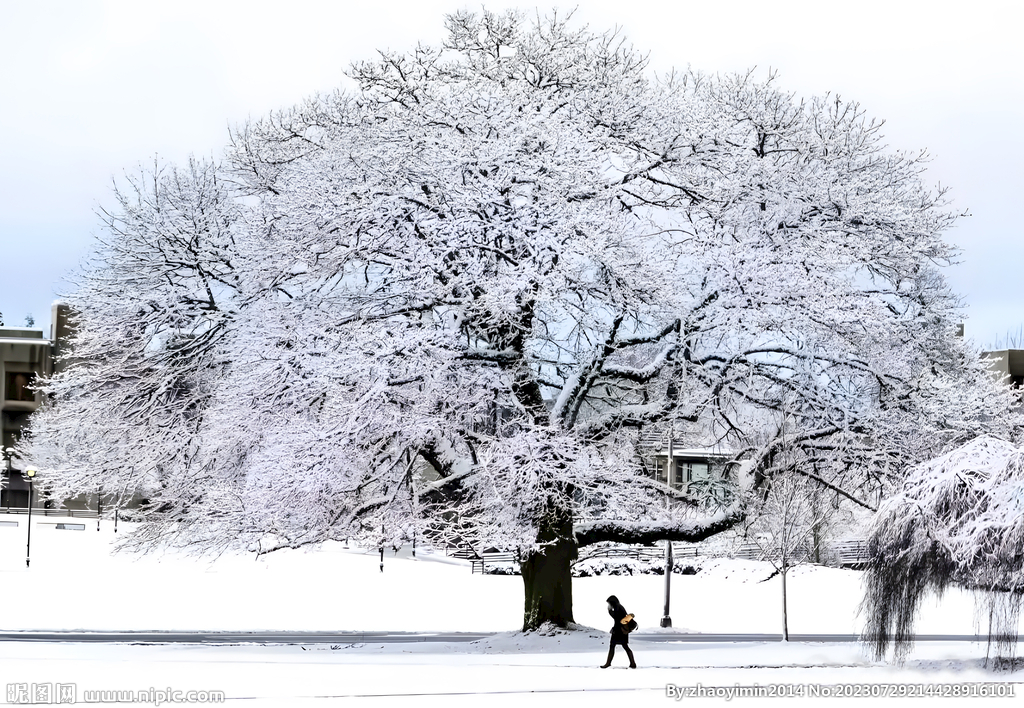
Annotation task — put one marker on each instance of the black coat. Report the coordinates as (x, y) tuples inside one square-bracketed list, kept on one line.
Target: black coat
[(617, 611)]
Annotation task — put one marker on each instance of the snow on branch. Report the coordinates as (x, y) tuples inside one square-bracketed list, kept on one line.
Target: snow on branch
[(504, 356), (635, 416), (639, 532), (641, 374), (648, 339)]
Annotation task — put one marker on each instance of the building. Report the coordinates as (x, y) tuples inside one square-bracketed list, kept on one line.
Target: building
[(25, 357), (1007, 365), (695, 471)]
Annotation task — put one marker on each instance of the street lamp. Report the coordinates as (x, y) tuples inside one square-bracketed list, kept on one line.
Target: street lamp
[(31, 474), (666, 620)]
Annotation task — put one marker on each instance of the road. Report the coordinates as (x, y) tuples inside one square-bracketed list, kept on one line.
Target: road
[(406, 637)]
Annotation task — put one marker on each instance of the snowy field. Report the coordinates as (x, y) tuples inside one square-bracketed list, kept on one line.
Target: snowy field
[(75, 583)]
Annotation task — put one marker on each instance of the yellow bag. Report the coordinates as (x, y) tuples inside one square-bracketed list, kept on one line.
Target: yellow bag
[(629, 624)]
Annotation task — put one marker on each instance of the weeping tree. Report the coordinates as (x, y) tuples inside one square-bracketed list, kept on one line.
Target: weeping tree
[(454, 301), (958, 522)]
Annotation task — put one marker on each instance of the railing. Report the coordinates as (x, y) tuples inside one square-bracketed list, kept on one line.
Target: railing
[(767, 552), (850, 553), (76, 513), (639, 552), (463, 553), (489, 558), (845, 553), (479, 561)]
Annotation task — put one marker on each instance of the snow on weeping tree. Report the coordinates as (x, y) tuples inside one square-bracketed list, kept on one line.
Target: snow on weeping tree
[(959, 521), (452, 302)]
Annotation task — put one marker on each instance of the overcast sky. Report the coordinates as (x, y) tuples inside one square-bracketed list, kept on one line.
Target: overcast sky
[(90, 89)]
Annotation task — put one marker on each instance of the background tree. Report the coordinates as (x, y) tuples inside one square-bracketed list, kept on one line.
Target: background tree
[(486, 274), (790, 514), (151, 307), (786, 520)]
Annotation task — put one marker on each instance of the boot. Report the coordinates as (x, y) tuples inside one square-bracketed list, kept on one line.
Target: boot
[(611, 653)]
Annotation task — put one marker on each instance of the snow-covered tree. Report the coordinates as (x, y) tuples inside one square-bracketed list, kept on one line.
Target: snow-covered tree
[(788, 516), (454, 300), (958, 522), (151, 309)]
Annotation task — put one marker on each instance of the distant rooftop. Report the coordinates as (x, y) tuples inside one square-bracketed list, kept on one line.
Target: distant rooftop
[(1007, 364), (20, 333)]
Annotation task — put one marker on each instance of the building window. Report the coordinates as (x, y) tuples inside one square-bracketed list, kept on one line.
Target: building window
[(659, 470), (680, 473), (693, 470), (18, 386)]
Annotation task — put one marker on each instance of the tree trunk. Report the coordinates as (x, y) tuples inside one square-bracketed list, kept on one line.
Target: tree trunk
[(785, 614), (547, 580), (547, 575)]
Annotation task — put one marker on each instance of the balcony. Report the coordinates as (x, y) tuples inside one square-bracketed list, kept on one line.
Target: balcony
[(18, 393)]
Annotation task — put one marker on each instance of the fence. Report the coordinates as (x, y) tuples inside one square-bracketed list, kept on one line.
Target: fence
[(479, 560), (75, 513), (639, 552), (844, 553)]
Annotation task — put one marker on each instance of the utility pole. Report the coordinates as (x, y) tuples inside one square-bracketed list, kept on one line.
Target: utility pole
[(31, 473), (666, 621), (412, 498)]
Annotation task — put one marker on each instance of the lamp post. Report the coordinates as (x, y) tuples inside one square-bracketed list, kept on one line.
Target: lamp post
[(31, 474), (666, 620)]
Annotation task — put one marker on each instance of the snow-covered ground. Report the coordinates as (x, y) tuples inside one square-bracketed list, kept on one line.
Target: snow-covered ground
[(505, 672), (75, 583)]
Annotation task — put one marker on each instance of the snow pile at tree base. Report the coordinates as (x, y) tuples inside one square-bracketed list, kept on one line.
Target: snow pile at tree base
[(546, 638)]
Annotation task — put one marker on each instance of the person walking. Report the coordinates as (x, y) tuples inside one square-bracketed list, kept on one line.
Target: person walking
[(619, 633)]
